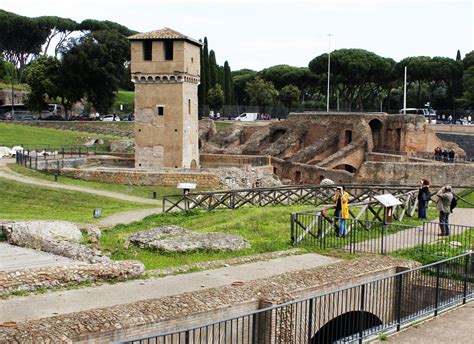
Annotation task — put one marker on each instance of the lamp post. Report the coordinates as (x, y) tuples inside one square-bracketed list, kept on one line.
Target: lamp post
[(329, 72)]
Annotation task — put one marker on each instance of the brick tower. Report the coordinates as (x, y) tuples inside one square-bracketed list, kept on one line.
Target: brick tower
[(165, 67)]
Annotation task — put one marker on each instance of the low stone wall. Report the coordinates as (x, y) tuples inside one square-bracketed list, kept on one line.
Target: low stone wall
[(62, 276), (199, 307), (382, 157), (409, 172), (130, 177), (226, 160), (307, 174)]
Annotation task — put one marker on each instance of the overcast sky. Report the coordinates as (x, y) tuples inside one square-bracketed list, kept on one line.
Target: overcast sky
[(257, 34)]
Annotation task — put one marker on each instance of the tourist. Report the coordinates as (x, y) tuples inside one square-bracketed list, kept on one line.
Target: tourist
[(450, 119), (424, 196), (451, 155), (469, 120), (445, 155), (443, 205), (341, 199)]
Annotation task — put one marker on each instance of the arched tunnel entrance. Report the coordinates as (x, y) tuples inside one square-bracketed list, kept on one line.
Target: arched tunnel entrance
[(345, 325), (376, 128), (346, 167)]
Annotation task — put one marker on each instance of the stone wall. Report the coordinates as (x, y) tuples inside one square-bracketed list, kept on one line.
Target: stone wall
[(130, 177), (410, 172), (307, 174), (62, 276), (226, 160), (199, 307)]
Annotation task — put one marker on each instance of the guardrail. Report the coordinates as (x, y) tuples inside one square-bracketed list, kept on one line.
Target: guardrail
[(351, 314), (31, 157)]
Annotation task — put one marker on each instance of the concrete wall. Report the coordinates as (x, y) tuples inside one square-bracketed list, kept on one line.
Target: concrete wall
[(409, 173)]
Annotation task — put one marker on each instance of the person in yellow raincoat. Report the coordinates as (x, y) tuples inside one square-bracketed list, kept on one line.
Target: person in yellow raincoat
[(341, 199)]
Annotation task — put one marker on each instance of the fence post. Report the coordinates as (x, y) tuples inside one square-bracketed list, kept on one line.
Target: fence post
[(292, 220), (186, 337), (362, 308), (437, 290), (310, 320), (352, 239), (423, 239), (399, 300), (464, 289), (381, 238)]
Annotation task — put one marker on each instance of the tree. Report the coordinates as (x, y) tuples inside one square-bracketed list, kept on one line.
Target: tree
[(215, 97), (59, 29), (41, 76), (95, 63), (227, 84), (240, 79), (261, 92), (289, 95), (21, 38), (355, 72), (213, 69), (468, 83)]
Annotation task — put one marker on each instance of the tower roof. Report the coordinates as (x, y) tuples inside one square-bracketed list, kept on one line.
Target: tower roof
[(165, 33)]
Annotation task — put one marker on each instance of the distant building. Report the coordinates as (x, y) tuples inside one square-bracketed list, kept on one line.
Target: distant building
[(165, 67), (6, 96)]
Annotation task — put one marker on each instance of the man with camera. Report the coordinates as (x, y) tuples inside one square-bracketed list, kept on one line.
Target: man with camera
[(443, 205)]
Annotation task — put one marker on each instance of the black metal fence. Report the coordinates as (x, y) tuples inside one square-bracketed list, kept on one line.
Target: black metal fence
[(362, 236), (347, 315), (288, 195), (35, 157)]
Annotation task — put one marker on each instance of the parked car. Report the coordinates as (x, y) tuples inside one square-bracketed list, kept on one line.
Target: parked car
[(111, 118), (247, 117), (5, 117), (52, 118)]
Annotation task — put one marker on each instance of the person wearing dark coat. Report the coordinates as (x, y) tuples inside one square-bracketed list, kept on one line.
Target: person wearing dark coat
[(424, 196)]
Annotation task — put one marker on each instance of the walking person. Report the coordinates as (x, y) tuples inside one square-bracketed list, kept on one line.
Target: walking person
[(424, 196), (341, 199), (443, 205)]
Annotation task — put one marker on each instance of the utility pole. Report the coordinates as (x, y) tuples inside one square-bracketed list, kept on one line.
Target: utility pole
[(329, 72)]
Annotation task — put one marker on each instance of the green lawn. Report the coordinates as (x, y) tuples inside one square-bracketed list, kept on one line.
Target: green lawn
[(267, 229), (32, 137), (222, 125), (126, 99), (468, 195), (133, 190), (20, 201)]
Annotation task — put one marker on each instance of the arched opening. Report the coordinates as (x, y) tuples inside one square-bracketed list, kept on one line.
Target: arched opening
[(277, 134), (193, 164), (348, 137), (298, 179), (376, 128), (345, 325), (346, 167)]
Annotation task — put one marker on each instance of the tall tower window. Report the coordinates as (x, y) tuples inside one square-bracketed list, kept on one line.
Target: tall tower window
[(168, 50), (147, 50), (189, 106), (161, 110)]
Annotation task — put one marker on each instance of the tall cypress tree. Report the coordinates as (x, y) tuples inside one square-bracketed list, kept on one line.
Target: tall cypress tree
[(213, 74), (202, 91), (205, 58), (227, 84), (458, 56)]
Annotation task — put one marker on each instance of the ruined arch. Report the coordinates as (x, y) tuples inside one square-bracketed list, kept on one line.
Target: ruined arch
[(345, 325), (274, 136), (376, 129), (346, 167)]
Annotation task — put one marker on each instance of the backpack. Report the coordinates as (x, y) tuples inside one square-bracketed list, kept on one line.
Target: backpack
[(454, 204)]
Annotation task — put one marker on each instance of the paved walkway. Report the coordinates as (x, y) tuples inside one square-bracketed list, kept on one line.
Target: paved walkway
[(67, 301), (414, 236), (14, 258), (455, 326), (5, 172)]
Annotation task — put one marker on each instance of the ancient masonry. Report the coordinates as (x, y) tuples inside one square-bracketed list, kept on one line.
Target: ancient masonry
[(165, 67)]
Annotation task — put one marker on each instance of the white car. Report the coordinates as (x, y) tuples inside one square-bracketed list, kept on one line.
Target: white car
[(111, 118)]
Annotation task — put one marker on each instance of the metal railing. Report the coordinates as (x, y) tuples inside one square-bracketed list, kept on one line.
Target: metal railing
[(287, 195), (346, 315), (362, 236), (33, 157)]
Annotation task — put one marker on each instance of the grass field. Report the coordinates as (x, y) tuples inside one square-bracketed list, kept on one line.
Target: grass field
[(133, 190), (20, 201), (267, 229), (126, 99), (26, 136)]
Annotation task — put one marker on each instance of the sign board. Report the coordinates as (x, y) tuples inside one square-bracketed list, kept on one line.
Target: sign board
[(97, 212), (387, 200), (187, 186)]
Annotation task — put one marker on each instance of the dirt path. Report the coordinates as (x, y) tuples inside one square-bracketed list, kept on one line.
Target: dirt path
[(6, 173)]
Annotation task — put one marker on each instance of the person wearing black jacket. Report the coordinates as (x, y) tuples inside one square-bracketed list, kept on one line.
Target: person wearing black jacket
[(424, 196)]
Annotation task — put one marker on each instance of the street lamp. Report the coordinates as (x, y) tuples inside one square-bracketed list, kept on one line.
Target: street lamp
[(329, 72)]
